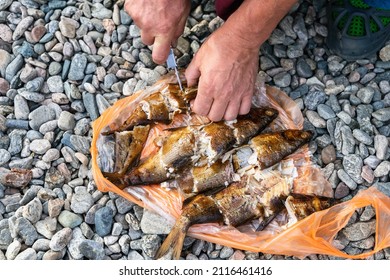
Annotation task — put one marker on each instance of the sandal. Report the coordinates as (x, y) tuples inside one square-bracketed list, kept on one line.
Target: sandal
[(356, 30)]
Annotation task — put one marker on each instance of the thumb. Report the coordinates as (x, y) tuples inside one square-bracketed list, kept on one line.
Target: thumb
[(192, 73)]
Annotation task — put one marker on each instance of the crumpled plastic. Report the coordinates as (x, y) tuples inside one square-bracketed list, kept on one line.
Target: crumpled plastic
[(312, 235)]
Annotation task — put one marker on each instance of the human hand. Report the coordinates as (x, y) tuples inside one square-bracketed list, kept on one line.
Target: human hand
[(226, 70), (161, 23)]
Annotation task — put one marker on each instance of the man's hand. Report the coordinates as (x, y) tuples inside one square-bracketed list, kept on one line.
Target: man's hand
[(161, 23), (227, 73)]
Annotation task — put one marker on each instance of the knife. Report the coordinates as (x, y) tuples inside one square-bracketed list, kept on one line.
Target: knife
[(171, 64)]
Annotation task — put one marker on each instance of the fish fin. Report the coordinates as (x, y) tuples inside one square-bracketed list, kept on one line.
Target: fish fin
[(175, 241)]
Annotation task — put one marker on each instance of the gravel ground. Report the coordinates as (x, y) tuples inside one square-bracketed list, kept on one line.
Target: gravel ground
[(62, 63)]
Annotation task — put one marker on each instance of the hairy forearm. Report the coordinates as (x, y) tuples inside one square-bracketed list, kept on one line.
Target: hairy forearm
[(254, 20)]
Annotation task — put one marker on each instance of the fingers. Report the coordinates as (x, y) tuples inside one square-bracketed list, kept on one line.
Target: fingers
[(246, 104), (192, 73), (146, 38), (161, 48)]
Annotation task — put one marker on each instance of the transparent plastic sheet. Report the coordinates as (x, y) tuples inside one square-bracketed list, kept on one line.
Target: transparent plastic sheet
[(313, 235)]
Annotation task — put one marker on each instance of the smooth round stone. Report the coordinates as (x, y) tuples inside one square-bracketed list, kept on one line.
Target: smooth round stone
[(41, 115), (54, 68), (381, 144), (69, 219), (81, 200), (40, 146), (66, 121), (51, 155), (91, 249), (55, 84)]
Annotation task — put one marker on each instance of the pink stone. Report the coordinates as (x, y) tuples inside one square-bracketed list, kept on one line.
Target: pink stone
[(37, 32), (5, 33), (4, 86), (367, 174)]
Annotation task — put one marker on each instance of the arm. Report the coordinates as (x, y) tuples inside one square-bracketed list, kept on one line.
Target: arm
[(161, 23), (226, 65)]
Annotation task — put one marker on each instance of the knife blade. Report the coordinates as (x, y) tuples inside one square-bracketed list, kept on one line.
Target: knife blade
[(171, 64)]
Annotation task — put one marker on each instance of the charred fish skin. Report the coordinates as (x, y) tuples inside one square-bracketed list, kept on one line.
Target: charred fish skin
[(301, 206), (253, 123), (160, 106), (272, 147), (175, 153), (202, 209), (199, 146)]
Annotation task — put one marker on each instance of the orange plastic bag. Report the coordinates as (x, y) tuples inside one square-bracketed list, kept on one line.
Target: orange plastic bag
[(313, 235)]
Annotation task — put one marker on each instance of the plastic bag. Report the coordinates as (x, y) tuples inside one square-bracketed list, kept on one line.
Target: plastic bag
[(309, 236)]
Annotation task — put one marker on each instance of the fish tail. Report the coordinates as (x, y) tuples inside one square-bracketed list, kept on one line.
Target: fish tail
[(173, 242)]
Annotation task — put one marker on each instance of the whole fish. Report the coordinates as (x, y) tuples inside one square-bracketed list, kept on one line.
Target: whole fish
[(235, 205), (160, 106), (198, 146)]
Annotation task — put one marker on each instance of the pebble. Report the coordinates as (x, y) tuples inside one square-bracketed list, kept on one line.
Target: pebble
[(359, 231), (61, 239), (66, 218), (103, 221), (91, 249), (40, 146)]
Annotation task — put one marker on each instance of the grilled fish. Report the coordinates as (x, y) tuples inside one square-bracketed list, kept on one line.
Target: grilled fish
[(198, 146), (235, 205), (262, 151), (160, 106)]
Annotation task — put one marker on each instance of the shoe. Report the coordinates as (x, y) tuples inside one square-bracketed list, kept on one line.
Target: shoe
[(356, 30)]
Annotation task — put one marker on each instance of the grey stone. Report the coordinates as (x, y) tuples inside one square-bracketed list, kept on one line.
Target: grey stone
[(343, 176), (282, 79), (81, 144), (40, 146), (77, 67), (123, 205), (353, 166), (366, 94), (5, 156), (315, 119), (55, 84), (152, 223), (13, 67), (60, 239), (41, 115), (69, 219), (81, 200), (26, 231), (100, 12), (362, 136), (21, 108), (32, 96), (313, 99), (382, 169), (32, 211), (90, 105), (359, 231), (91, 249), (66, 121), (46, 227), (381, 144), (103, 221), (382, 114), (150, 244), (28, 254)]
